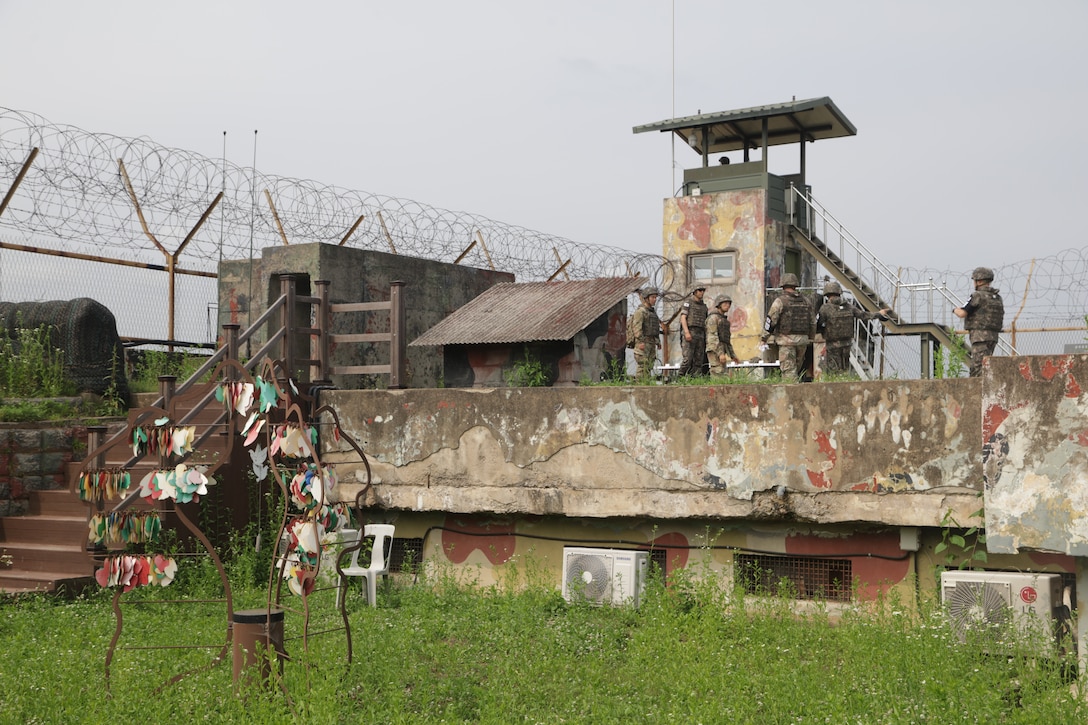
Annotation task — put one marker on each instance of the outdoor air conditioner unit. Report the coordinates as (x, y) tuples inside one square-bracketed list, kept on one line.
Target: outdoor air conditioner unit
[(996, 604), (604, 576)]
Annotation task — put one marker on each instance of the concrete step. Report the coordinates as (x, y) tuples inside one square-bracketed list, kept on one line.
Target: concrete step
[(71, 559), (15, 581), (58, 503), (42, 529)]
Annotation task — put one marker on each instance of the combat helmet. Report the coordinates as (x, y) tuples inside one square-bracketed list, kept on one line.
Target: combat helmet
[(832, 288), (722, 298), (648, 292), (983, 273), (789, 279), (697, 287)]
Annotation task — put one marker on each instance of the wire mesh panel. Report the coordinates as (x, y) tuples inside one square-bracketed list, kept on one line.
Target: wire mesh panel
[(136, 296), (405, 554), (802, 577)]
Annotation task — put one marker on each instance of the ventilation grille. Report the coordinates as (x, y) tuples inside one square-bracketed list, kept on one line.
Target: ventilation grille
[(405, 554), (802, 576), (659, 559)]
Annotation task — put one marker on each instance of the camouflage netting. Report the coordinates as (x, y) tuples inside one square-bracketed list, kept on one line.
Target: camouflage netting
[(85, 330)]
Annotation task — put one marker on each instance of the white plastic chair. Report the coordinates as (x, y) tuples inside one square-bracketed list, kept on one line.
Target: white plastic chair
[(379, 562)]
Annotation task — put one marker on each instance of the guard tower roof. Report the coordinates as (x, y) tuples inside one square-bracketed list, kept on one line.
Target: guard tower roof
[(792, 122)]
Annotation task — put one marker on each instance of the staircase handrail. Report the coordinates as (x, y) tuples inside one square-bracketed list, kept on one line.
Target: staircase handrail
[(210, 364), (866, 255), (862, 252)]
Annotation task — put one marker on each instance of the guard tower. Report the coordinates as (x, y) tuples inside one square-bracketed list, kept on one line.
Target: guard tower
[(730, 225)]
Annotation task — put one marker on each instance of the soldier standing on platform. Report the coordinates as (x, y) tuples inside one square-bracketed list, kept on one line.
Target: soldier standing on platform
[(982, 316), (791, 321), (693, 315), (719, 342), (643, 331), (835, 321)]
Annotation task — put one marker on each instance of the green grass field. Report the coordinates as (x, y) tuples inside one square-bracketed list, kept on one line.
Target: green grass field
[(451, 652)]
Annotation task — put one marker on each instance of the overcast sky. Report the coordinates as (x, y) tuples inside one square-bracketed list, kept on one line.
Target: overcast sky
[(971, 145)]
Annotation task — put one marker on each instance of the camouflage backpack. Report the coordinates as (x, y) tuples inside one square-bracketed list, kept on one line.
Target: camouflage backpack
[(634, 329)]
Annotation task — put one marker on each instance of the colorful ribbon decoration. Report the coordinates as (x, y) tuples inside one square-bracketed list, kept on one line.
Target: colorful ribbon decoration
[(124, 527), (182, 484), (311, 488), (103, 485), (235, 395), (162, 439), (130, 571)]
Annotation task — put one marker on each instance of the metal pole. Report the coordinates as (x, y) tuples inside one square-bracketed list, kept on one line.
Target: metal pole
[(324, 329), (397, 357), (287, 289)]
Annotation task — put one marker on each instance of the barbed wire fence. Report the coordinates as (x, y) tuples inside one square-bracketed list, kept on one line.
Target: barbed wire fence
[(128, 222), (99, 199)]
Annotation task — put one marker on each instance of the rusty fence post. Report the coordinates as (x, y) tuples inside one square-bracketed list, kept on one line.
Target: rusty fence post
[(397, 345), (287, 289), (167, 383), (230, 340), (324, 329)]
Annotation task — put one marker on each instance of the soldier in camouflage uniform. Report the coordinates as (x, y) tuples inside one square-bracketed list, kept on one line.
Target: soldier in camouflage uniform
[(791, 321), (647, 326), (835, 321), (982, 316), (719, 342), (693, 315)]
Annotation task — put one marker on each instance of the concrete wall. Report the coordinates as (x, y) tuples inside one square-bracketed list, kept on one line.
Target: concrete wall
[(491, 480), (432, 291), (1035, 430), (897, 453)]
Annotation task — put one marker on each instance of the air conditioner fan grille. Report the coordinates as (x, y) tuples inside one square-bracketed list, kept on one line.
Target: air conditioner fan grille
[(588, 576), (976, 605)]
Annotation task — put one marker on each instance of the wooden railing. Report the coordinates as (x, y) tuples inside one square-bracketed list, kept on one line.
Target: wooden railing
[(324, 338), (283, 339)]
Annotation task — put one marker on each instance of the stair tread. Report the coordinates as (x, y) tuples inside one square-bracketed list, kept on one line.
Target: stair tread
[(24, 545), (50, 575)]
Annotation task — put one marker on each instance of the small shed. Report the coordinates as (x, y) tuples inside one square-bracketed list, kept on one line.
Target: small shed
[(552, 333)]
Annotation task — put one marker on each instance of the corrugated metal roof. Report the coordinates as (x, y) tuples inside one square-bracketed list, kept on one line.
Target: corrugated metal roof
[(531, 311), (811, 119)]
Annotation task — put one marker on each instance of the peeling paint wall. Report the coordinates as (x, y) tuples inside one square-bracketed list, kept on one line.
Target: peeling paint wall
[(892, 452), (1035, 456), (493, 480), (732, 221)]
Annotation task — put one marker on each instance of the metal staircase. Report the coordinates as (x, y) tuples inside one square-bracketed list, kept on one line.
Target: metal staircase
[(869, 280)]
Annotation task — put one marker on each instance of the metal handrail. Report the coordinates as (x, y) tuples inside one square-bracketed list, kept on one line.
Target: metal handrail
[(881, 279)]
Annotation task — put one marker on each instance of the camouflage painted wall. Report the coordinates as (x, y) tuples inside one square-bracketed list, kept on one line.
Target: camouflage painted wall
[(732, 221), (892, 452), (1035, 430)]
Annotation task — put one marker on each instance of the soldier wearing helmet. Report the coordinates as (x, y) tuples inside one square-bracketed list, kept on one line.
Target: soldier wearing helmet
[(835, 321), (693, 333), (790, 321), (719, 343), (642, 333), (982, 316)]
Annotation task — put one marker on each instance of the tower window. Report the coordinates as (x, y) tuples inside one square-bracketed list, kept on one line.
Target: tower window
[(714, 268)]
